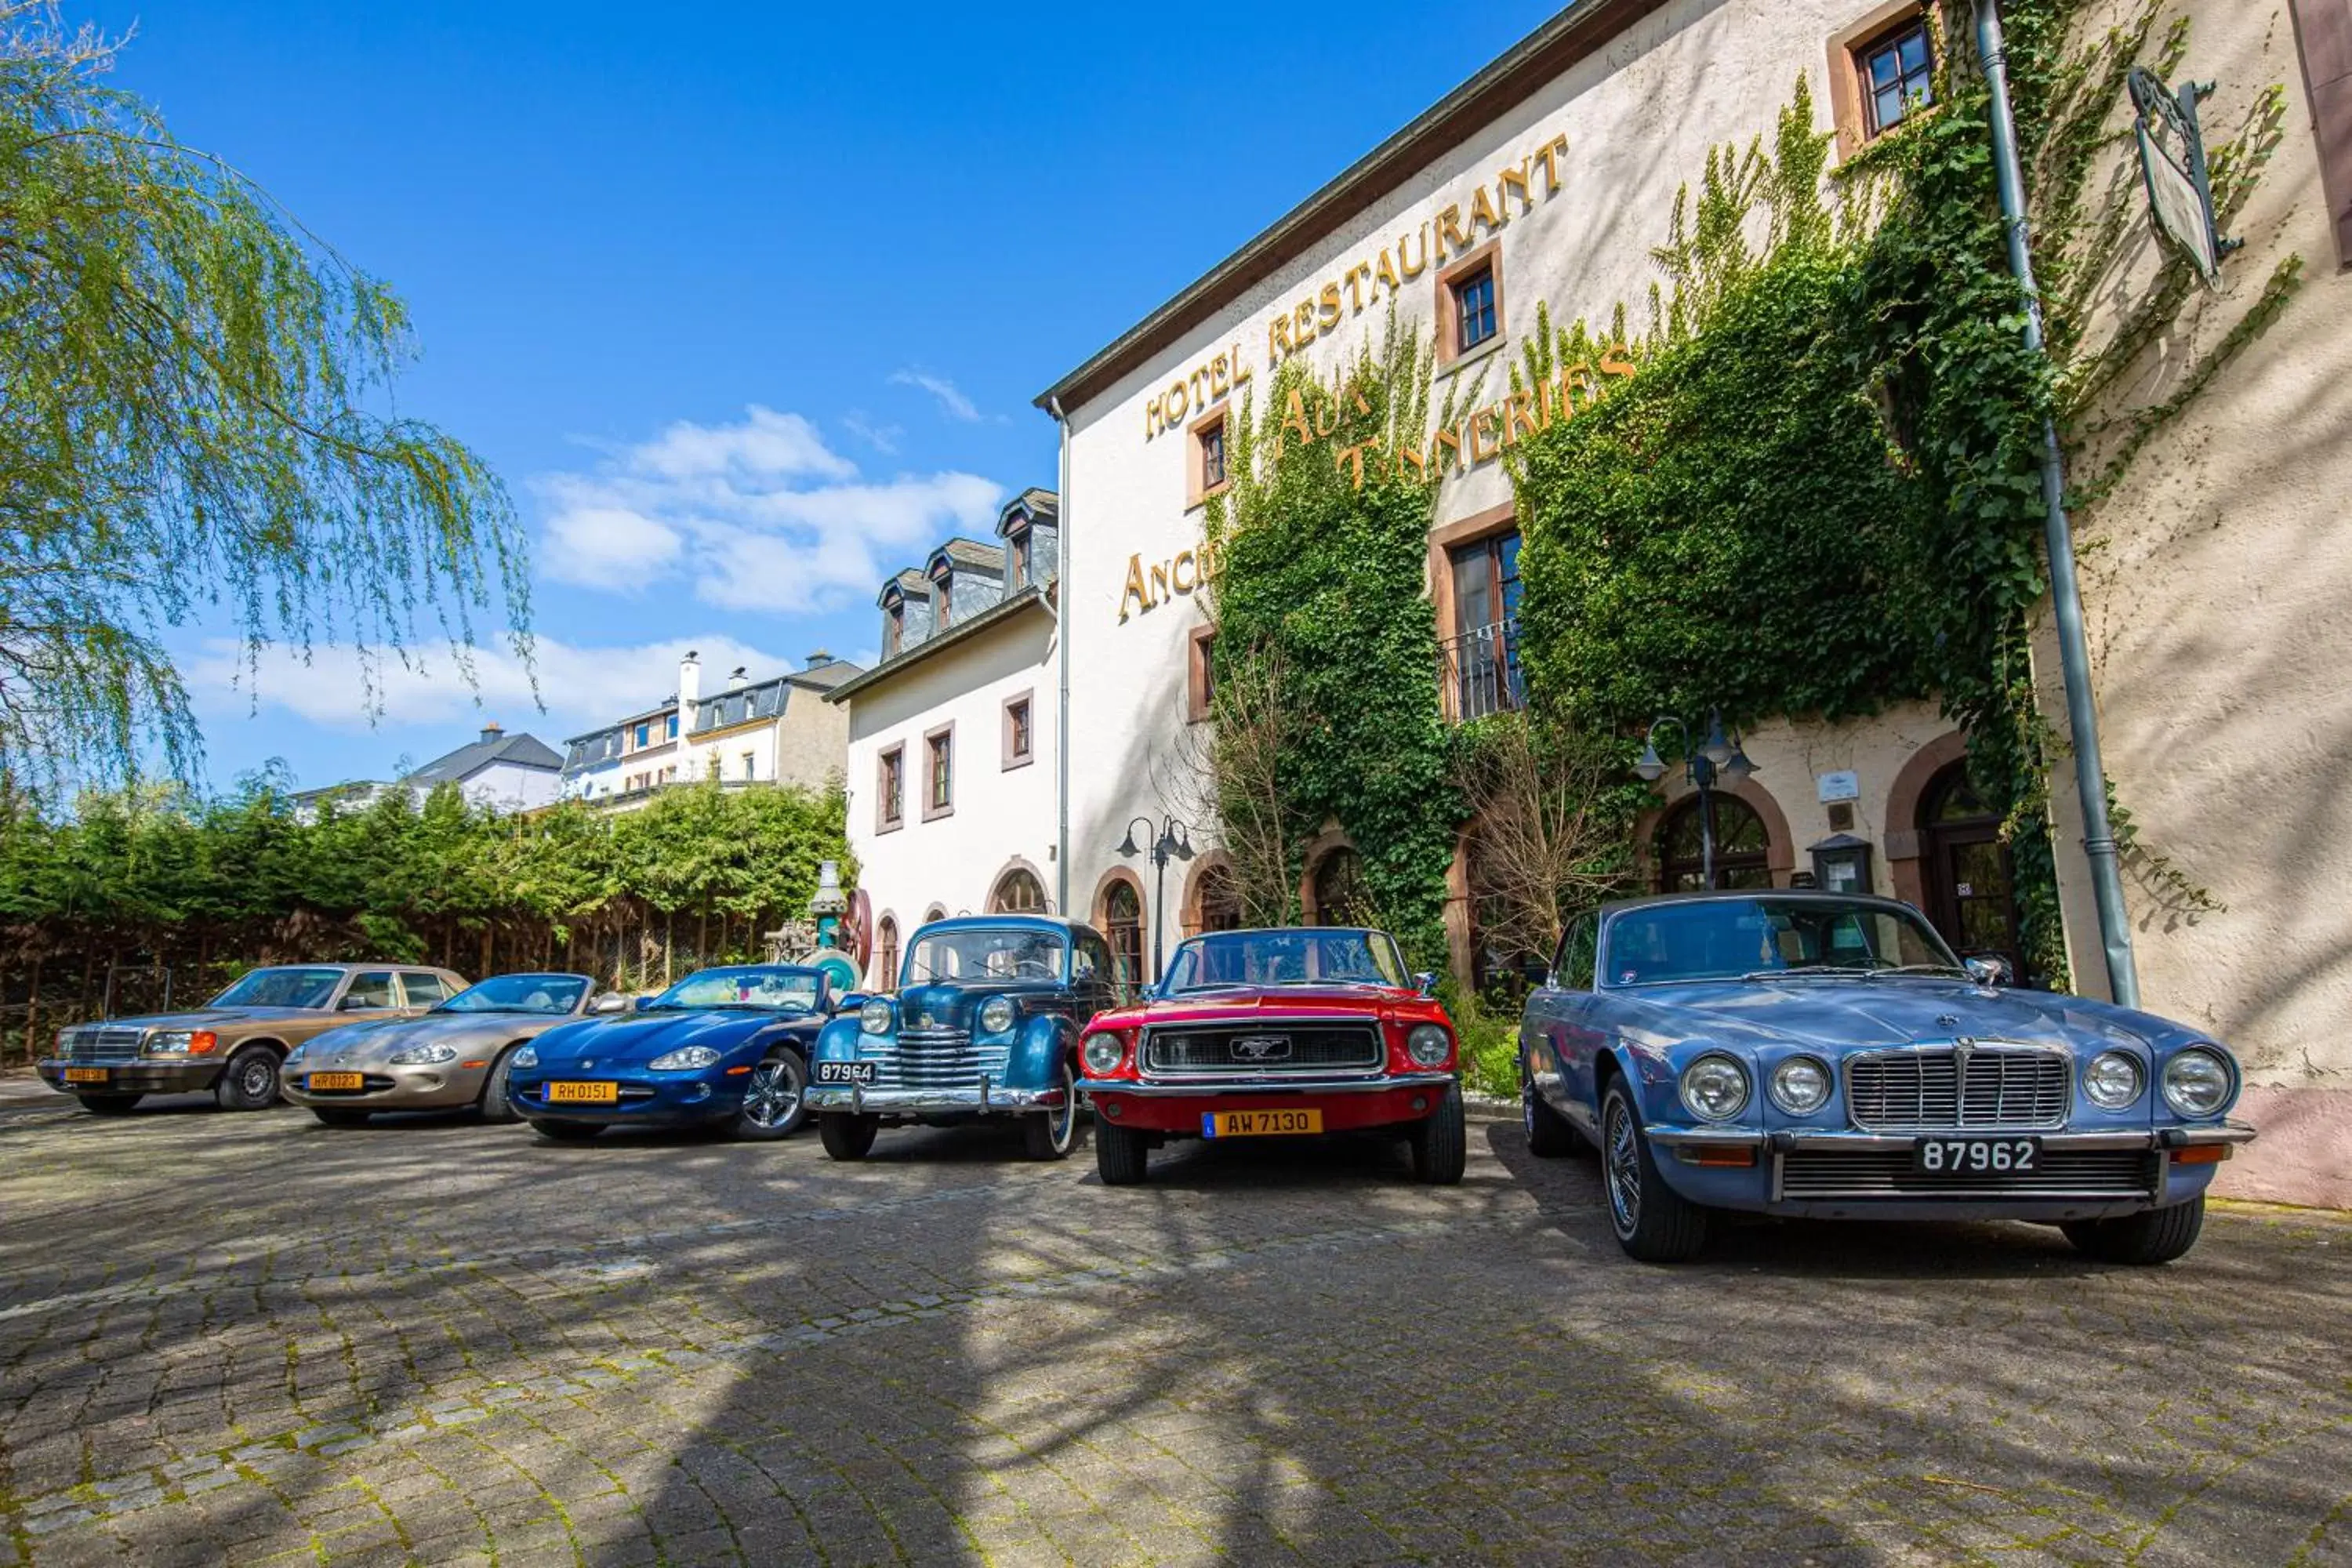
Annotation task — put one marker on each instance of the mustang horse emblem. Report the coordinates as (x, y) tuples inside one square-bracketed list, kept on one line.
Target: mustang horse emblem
[(1261, 1047)]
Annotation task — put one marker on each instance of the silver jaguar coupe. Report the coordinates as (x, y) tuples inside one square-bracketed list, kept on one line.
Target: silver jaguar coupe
[(450, 1057)]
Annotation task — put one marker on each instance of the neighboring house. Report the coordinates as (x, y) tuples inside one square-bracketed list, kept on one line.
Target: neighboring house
[(953, 743), (495, 771), (778, 731)]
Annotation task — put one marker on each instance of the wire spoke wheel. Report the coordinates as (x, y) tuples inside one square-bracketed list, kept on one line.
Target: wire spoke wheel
[(1623, 1159)]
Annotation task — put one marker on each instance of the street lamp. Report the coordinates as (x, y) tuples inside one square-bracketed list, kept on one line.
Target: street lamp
[(1174, 843), (1717, 757)]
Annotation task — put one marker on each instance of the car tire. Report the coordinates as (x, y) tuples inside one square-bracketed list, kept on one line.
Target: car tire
[(338, 1115), (1652, 1223), (496, 1105), (845, 1134), (1440, 1142), (110, 1104), (1122, 1155), (1550, 1136), (775, 1097), (249, 1082), (2143, 1240), (1050, 1135), (567, 1131)]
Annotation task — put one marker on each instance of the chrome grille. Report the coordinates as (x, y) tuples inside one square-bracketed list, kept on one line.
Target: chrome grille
[(103, 1042), (1263, 1047), (2005, 1086), (935, 1059), (1894, 1174)]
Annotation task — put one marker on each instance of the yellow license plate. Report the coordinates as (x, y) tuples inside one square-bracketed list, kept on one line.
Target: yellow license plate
[(322, 1081), (583, 1093), (1258, 1124), (86, 1074)]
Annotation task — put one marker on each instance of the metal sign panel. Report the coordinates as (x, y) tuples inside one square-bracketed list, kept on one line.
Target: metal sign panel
[(2172, 164)]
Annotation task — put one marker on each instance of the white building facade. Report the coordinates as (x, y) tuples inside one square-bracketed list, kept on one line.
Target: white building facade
[(745, 733)]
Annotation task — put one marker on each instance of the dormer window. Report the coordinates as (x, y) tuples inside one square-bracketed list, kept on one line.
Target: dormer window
[(894, 626), (943, 583), (1017, 577)]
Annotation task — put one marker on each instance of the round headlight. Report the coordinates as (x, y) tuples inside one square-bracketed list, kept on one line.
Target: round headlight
[(874, 1016), (1428, 1044), (1714, 1088), (423, 1055), (1800, 1086), (2112, 1080), (686, 1059), (996, 1015), (2197, 1083), (1102, 1054), (524, 1056)]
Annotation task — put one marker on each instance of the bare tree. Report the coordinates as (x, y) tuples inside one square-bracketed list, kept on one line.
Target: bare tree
[(1224, 778), (1549, 807)]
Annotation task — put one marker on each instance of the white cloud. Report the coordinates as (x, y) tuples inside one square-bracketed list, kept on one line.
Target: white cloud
[(951, 398), (883, 439), (757, 515)]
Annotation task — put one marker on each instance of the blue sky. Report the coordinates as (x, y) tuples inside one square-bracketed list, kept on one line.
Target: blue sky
[(746, 302)]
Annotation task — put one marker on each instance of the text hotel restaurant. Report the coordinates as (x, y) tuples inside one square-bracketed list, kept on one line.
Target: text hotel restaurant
[(2218, 584)]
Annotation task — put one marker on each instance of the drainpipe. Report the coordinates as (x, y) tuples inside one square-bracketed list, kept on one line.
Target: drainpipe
[(1062, 637), (2065, 591)]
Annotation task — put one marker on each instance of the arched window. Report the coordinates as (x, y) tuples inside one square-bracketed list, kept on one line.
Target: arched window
[(885, 973), (1017, 893), (1340, 899), (936, 913), (1741, 845), (1123, 924), (1218, 901)]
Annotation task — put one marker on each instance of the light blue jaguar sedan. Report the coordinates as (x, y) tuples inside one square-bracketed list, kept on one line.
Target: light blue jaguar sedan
[(1824, 1055)]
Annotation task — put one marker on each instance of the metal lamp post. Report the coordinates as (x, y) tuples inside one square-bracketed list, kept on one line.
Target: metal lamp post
[(1716, 758), (1174, 842)]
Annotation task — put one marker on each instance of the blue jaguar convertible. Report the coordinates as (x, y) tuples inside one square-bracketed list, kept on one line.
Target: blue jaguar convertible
[(721, 1045), (1823, 1055)]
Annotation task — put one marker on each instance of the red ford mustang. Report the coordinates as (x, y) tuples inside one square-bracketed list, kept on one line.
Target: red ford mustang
[(1268, 1033)]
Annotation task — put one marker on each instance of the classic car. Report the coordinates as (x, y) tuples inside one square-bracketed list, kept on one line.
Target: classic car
[(1272, 1032), (233, 1045), (723, 1044), (454, 1055), (985, 1022), (1826, 1055)]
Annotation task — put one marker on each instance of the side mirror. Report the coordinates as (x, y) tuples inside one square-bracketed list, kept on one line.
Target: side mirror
[(640, 1004), (611, 1002), (1426, 983), (1988, 969)]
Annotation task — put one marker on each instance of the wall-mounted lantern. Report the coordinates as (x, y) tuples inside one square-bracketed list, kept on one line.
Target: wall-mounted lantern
[(1842, 864)]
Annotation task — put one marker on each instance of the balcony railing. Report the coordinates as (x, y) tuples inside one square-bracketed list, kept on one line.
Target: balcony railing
[(1478, 672)]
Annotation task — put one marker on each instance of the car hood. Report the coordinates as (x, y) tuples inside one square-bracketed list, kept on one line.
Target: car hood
[(1840, 1012), (1283, 1001), (358, 1044), (950, 1004), (213, 1017), (637, 1038)]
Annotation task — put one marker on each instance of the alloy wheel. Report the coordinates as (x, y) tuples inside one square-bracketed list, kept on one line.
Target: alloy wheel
[(772, 1097), (1623, 1160)]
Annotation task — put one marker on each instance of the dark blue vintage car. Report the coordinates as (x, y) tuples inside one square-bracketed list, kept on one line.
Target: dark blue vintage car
[(986, 1023), (1817, 1054), (721, 1045)]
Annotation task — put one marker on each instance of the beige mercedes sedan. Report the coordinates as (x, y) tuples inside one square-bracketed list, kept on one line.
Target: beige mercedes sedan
[(450, 1059)]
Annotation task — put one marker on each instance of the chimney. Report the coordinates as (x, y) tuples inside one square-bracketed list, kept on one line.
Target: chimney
[(492, 733), (735, 676), (690, 691), (819, 659)]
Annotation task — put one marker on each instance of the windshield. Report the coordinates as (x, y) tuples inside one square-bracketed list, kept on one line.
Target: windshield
[(557, 994), (1736, 939), (760, 985), (1285, 958), (282, 988), (983, 952)]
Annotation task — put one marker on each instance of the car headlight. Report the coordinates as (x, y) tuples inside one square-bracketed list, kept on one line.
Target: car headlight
[(2197, 1083), (996, 1015), (1428, 1044), (1714, 1088), (2112, 1080), (1800, 1086), (169, 1043), (524, 1056), (423, 1055), (1102, 1054), (684, 1060), (874, 1016)]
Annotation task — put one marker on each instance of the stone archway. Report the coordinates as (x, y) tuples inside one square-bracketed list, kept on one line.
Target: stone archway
[(1780, 843), (1904, 843)]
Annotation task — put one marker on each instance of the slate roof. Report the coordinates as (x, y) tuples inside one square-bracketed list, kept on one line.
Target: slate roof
[(972, 552), (523, 750)]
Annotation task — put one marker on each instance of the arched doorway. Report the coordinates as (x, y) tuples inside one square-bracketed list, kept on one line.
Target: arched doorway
[(1970, 880), (885, 973), (1217, 900), (1742, 847), (1018, 892), (1122, 918), (1340, 897)]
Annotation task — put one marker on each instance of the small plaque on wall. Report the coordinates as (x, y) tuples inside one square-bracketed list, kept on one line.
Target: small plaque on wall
[(1845, 785)]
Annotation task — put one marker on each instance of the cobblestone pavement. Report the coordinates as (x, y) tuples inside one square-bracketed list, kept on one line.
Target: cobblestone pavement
[(252, 1339)]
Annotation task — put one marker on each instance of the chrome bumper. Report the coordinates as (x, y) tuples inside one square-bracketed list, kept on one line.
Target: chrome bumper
[(1192, 1088), (1785, 1142), (985, 1101)]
